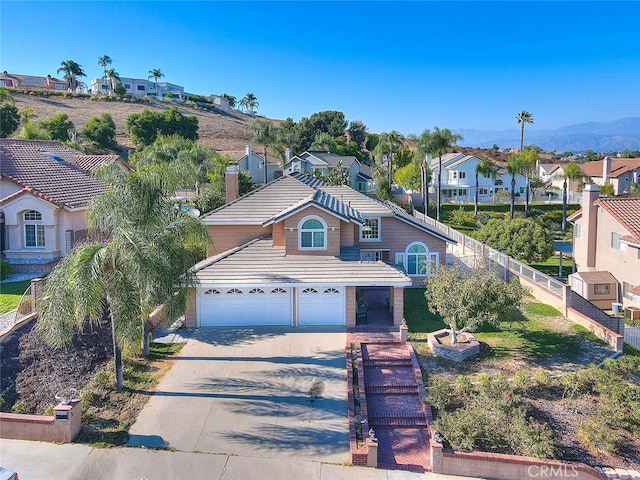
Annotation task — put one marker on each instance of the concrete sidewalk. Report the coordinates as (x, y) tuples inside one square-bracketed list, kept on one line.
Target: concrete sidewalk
[(46, 461)]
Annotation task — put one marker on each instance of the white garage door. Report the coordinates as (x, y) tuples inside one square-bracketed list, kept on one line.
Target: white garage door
[(321, 306), (244, 306)]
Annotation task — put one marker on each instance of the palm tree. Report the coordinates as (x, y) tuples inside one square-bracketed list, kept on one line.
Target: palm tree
[(441, 141), (325, 142), (249, 101), (529, 160), (265, 134), (423, 147), (522, 118), (514, 167), (141, 261), (155, 74), (485, 167), (104, 61), (114, 79), (27, 115), (390, 142), (72, 71), (571, 171)]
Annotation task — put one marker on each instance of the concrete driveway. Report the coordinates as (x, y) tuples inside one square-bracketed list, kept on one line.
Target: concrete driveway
[(247, 391)]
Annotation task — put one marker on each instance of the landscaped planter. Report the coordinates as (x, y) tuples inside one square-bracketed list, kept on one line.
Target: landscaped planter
[(466, 347)]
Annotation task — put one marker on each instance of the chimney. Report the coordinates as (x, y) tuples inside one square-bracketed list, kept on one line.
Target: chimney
[(287, 154), (248, 149), (231, 184), (589, 222), (606, 169)]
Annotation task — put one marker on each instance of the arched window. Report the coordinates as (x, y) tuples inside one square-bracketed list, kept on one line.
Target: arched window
[(312, 234), (417, 260), (33, 229)]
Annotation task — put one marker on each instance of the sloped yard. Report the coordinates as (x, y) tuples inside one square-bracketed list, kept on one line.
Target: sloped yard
[(544, 360)]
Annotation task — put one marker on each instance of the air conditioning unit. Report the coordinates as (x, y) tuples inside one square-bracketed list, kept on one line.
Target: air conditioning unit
[(632, 313)]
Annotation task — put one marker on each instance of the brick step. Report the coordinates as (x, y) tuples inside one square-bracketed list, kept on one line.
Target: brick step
[(410, 422), (387, 362), (391, 389), (406, 468)]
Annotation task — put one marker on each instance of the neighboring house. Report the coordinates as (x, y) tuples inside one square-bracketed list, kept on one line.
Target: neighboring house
[(606, 248), (547, 172), (619, 172), (32, 82), (293, 252), (459, 179), (220, 102), (138, 87), (44, 191), (253, 164), (316, 162)]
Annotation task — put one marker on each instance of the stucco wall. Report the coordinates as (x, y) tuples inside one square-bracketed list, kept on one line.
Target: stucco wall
[(224, 237)]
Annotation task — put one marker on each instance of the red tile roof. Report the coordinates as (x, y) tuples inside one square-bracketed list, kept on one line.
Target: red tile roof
[(49, 170), (619, 166), (89, 163), (625, 210)]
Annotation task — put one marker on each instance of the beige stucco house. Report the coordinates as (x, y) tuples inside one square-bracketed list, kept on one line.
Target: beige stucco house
[(618, 172), (44, 191), (295, 251), (607, 249)]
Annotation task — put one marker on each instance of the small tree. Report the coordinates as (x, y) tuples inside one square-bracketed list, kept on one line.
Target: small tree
[(101, 131), (522, 239), (467, 300), (9, 119)]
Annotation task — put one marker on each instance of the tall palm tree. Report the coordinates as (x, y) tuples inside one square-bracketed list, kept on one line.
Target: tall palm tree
[(250, 102), (139, 262), (156, 74), (529, 160), (570, 172), (72, 71), (441, 141), (104, 61), (231, 99), (114, 79), (487, 168), (390, 143), (514, 167), (522, 118), (265, 134), (423, 147)]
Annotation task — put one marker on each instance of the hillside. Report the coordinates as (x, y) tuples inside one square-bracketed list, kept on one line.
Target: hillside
[(223, 131)]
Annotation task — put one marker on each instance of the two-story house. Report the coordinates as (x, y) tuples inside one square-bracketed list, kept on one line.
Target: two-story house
[(253, 164), (618, 172), (459, 179), (44, 191), (138, 87), (317, 162), (606, 248), (293, 252), (32, 82)]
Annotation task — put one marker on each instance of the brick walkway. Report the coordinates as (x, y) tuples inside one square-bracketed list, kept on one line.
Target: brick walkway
[(395, 408)]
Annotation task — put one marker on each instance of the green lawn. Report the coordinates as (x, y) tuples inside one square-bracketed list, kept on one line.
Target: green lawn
[(551, 265), (11, 293), (528, 334)]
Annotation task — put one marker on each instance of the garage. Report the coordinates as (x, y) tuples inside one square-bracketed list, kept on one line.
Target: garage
[(321, 306), (244, 306)]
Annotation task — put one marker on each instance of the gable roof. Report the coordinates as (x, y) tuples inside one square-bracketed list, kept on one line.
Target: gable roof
[(287, 195), (89, 163), (48, 169), (626, 211), (331, 159), (619, 166)]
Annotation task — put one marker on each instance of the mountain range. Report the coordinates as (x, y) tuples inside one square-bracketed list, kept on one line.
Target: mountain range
[(618, 135)]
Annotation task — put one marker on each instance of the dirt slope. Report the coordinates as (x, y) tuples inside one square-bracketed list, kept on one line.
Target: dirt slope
[(222, 131)]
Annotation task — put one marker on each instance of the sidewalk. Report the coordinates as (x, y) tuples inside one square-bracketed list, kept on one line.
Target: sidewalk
[(46, 461)]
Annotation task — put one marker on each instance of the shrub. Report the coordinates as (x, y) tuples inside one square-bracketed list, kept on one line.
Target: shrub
[(524, 240), (542, 380), (6, 269), (57, 127), (596, 437), (20, 407), (440, 394), (101, 131), (522, 381), (9, 119)]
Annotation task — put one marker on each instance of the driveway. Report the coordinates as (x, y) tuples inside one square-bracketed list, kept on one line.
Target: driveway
[(248, 391)]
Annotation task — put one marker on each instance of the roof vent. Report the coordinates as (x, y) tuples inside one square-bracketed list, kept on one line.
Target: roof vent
[(52, 156)]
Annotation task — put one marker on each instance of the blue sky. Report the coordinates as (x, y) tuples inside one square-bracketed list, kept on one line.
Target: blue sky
[(394, 65)]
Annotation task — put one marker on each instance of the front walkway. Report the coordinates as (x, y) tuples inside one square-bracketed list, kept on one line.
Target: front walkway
[(394, 396)]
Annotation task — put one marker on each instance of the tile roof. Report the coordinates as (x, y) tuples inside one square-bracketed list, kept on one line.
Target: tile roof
[(259, 262), (592, 278), (619, 166), (89, 163), (331, 159), (625, 210), (48, 168)]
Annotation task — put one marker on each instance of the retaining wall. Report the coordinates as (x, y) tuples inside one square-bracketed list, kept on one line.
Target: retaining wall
[(62, 427)]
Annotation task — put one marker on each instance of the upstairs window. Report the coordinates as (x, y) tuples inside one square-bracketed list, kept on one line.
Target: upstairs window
[(312, 233), (615, 241), (33, 229), (370, 230)]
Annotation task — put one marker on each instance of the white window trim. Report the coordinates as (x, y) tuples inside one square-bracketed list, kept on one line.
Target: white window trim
[(379, 239), (432, 257), (325, 229), (39, 233)]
